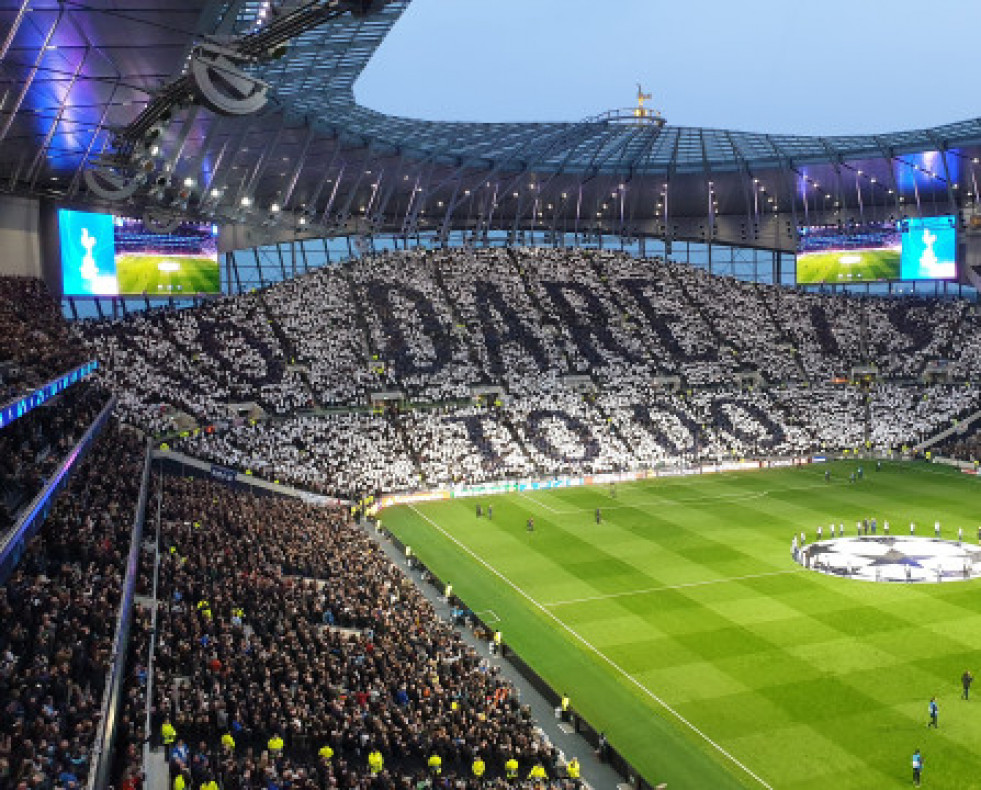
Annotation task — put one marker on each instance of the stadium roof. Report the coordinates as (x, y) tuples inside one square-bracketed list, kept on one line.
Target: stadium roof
[(76, 82)]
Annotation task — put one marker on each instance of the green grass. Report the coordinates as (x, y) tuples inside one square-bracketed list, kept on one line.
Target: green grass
[(141, 273), (875, 264), (685, 602)]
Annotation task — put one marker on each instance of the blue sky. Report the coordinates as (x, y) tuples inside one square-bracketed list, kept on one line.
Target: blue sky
[(782, 66)]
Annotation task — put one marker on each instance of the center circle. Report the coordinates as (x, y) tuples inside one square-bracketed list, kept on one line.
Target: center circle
[(890, 558)]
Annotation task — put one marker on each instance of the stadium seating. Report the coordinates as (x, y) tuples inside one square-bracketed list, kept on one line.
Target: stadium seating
[(57, 620), (197, 361), (33, 446), (35, 344), (277, 618), (584, 347), (502, 364)]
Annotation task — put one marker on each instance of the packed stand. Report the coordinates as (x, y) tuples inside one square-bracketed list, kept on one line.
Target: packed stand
[(412, 325), (340, 453), (131, 732), (200, 361), (35, 344), (290, 650), (511, 340), (963, 445), (834, 415), (743, 324), (564, 433), (593, 330), (902, 414), (57, 620), (436, 324), (318, 315), (34, 445), (679, 340), (465, 445)]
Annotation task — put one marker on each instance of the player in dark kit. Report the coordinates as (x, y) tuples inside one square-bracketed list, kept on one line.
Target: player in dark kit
[(966, 680), (599, 516), (531, 525)]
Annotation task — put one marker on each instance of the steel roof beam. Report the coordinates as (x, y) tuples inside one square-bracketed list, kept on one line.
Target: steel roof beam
[(12, 113)]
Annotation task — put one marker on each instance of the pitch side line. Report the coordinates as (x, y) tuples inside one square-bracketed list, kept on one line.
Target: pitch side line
[(592, 648), (671, 587)]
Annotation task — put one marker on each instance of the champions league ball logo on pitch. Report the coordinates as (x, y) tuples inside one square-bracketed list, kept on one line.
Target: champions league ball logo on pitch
[(887, 558)]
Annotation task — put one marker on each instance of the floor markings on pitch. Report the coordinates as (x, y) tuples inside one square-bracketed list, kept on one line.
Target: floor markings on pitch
[(546, 506), (593, 649), (665, 587)]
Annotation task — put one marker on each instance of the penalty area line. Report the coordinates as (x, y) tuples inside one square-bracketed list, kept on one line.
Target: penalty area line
[(592, 648), (672, 587)]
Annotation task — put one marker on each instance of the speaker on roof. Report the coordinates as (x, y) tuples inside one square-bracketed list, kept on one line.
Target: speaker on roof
[(223, 87)]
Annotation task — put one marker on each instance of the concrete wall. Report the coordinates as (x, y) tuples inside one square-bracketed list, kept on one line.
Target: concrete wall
[(20, 248)]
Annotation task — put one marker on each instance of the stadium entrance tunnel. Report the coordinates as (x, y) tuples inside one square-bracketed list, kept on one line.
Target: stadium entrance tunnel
[(890, 558)]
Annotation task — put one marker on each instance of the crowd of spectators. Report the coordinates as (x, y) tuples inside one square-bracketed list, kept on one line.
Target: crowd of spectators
[(330, 454), (202, 362), (756, 366), (290, 650), (131, 719), (563, 432), (35, 342), (57, 620), (470, 444), (964, 446), (34, 445)]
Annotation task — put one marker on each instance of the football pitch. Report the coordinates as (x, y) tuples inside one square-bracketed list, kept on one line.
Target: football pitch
[(681, 626), (166, 275), (843, 266)]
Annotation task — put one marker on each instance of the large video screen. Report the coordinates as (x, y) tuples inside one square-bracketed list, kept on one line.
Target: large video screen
[(861, 253), (103, 255), (929, 248), (922, 248)]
